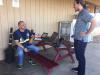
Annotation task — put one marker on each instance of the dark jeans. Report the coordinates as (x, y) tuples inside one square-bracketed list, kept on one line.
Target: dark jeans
[(80, 55)]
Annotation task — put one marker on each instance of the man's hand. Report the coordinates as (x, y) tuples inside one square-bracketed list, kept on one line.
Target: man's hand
[(25, 49), (33, 36), (83, 33)]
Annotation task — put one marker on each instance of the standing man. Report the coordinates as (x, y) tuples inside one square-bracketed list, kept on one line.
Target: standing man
[(23, 39), (82, 34)]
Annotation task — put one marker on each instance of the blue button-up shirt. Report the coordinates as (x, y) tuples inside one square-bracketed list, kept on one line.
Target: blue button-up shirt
[(82, 25)]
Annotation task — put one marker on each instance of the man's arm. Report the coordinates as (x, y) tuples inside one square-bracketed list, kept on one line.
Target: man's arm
[(31, 36), (31, 39), (20, 45), (92, 26)]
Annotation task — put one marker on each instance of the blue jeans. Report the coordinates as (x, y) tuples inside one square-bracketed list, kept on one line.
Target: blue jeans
[(80, 55), (20, 52)]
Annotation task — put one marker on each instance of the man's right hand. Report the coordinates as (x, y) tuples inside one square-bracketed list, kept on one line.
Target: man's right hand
[(25, 49)]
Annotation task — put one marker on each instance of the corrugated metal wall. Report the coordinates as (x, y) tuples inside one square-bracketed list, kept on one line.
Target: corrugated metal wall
[(40, 15)]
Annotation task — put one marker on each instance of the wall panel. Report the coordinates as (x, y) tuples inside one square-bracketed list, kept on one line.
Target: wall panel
[(40, 15)]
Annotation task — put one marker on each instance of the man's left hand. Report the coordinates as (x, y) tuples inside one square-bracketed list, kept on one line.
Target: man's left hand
[(83, 33)]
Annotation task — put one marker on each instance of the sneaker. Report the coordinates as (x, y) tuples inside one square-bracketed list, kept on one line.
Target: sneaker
[(31, 62), (75, 69), (19, 66)]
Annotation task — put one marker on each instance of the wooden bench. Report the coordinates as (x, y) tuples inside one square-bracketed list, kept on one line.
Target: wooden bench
[(43, 61)]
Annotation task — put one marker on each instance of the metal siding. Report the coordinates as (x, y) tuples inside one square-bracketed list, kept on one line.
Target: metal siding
[(40, 15)]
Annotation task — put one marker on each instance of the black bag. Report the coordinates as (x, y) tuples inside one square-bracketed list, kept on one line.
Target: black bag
[(9, 54)]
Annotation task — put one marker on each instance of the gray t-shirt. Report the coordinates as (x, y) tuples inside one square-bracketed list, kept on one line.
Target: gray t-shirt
[(82, 25)]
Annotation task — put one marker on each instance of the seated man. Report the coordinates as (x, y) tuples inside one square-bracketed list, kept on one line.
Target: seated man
[(23, 39)]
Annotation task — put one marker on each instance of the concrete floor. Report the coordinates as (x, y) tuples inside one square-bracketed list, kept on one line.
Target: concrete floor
[(92, 66)]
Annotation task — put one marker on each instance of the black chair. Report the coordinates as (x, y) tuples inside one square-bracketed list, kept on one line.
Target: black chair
[(9, 51), (51, 40)]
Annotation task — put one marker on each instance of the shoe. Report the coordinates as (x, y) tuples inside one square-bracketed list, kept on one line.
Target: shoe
[(75, 69), (31, 62), (19, 66)]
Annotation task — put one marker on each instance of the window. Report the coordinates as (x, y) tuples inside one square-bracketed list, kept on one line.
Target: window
[(15, 3), (1, 2), (98, 10)]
